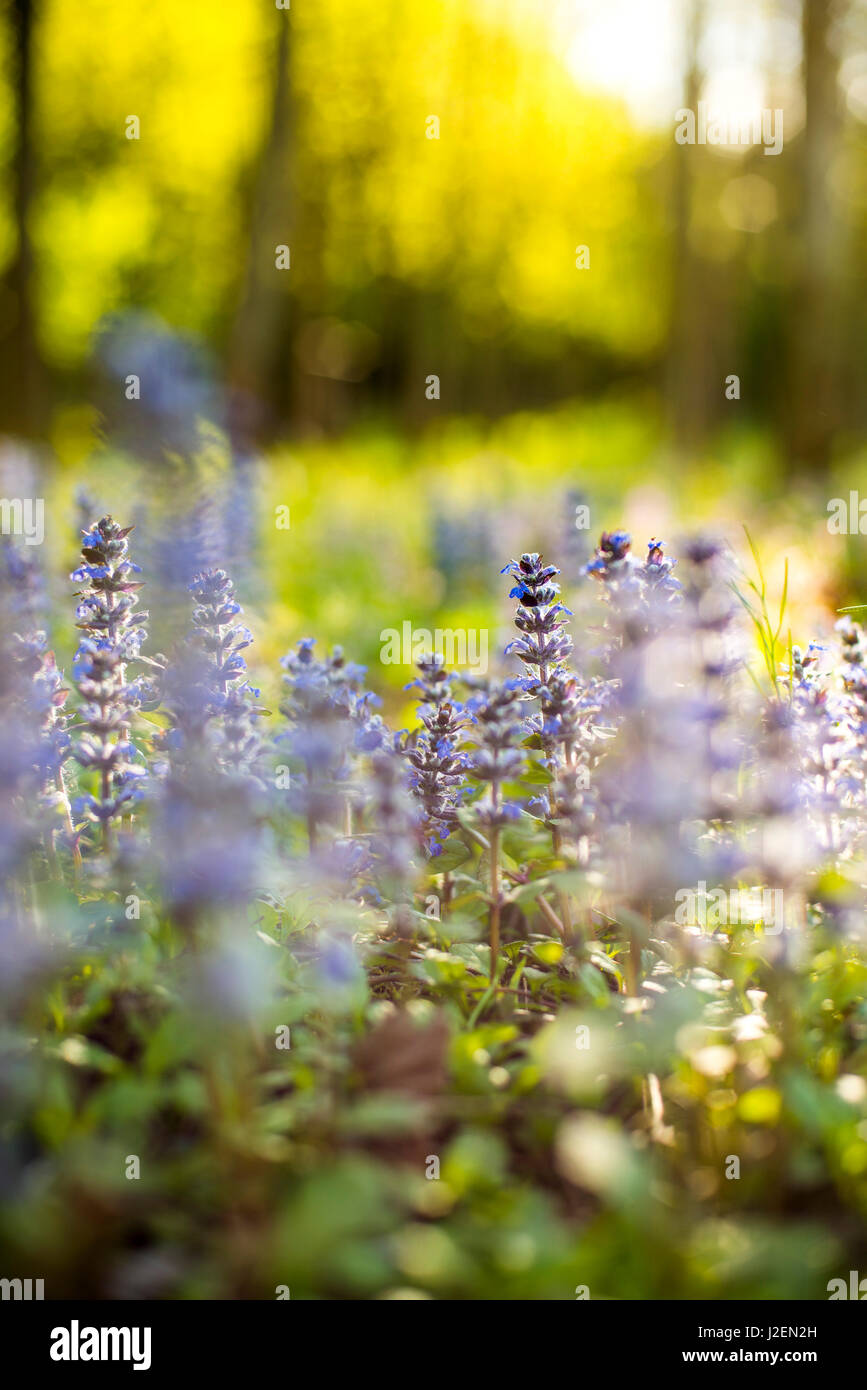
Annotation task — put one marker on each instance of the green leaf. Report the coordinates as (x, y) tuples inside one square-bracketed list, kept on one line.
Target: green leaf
[(454, 853), (537, 775), (81, 1052), (528, 892)]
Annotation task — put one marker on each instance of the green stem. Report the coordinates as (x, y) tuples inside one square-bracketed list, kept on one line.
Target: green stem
[(495, 902), (633, 964), (311, 819), (106, 824), (562, 898)]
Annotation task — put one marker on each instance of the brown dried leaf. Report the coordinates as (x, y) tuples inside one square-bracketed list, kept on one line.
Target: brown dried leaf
[(398, 1055)]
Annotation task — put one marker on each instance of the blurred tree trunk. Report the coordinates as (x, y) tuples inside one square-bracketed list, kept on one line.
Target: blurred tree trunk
[(22, 377), (687, 386), (258, 342), (814, 340)]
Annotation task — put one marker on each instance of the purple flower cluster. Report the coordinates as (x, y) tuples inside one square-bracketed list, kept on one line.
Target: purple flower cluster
[(646, 762), (438, 764), (544, 643), (331, 723), (113, 635), (498, 729)]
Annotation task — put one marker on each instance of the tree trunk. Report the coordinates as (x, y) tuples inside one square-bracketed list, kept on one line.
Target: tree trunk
[(813, 337), (22, 388), (258, 340), (687, 367)]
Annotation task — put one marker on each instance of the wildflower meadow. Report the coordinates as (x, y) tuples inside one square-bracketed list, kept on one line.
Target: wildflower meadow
[(433, 676), (299, 1001)]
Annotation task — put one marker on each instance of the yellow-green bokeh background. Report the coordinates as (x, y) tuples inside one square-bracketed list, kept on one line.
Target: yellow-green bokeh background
[(454, 256)]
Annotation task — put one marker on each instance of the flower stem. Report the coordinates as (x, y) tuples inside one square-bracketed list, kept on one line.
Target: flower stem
[(495, 902), (106, 824), (562, 898)]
